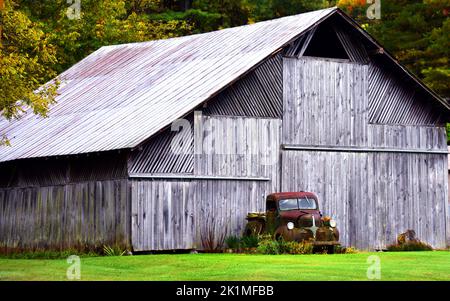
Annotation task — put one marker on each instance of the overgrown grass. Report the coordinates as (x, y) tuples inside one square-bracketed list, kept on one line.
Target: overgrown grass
[(410, 246), (394, 266), (48, 254), (105, 250)]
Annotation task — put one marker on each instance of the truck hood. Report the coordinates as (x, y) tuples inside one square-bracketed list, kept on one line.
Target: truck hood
[(293, 215)]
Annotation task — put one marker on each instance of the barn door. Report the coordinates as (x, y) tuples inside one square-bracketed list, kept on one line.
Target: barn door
[(162, 215)]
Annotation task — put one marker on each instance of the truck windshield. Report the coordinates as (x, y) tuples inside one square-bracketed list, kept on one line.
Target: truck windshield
[(297, 204)]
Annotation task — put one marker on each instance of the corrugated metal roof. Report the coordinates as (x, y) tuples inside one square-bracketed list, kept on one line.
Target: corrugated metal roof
[(121, 95)]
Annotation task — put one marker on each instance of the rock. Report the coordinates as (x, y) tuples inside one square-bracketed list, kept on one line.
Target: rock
[(407, 237)]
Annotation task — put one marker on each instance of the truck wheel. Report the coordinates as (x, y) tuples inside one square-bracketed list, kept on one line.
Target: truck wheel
[(330, 249), (253, 228)]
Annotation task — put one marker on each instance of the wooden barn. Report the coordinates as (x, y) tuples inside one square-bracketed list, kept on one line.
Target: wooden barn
[(155, 145)]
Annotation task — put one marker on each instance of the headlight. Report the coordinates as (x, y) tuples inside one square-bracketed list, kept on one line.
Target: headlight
[(290, 225), (333, 223)]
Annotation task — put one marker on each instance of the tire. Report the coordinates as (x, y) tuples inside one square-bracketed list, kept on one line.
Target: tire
[(330, 249), (253, 228)]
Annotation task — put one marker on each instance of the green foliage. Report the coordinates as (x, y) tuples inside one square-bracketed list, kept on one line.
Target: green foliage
[(448, 133), (268, 246), (26, 61), (345, 250), (114, 251), (410, 246), (101, 22), (283, 8), (232, 12), (48, 254), (259, 10), (249, 242), (416, 32), (233, 242), (296, 248), (199, 21)]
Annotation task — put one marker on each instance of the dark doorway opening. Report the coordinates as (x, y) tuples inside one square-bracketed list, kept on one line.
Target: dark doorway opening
[(325, 43)]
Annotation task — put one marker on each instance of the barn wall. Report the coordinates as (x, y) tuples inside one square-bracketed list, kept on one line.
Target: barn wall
[(326, 103), (377, 179), (374, 196), (178, 214), (66, 202), (63, 170), (78, 215), (232, 175), (320, 106), (237, 146)]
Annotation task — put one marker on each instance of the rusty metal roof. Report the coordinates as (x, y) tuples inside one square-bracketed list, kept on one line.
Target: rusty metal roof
[(121, 95)]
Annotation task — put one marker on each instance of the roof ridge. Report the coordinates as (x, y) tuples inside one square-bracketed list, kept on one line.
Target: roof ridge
[(260, 23)]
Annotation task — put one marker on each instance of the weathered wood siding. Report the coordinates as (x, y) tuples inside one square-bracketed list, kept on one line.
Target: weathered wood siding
[(377, 179), (163, 215), (326, 103), (176, 213), (237, 146), (319, 102), (78, 215), (376, 196), (53, 171)]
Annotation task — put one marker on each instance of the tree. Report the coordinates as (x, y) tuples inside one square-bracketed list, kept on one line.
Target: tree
[(416, 32), (436, 71), (42, 38), (232, 12), (100, 23), (268, 9), (26, 59)]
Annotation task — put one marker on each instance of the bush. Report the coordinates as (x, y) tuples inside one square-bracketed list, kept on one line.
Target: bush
[(249, 242), (345, 250), (114, 251), (272, 247), (410, 246), (268, 247), (295, 248), (233, 242)]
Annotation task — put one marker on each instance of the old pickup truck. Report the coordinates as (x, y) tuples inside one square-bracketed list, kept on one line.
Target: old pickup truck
[(294, 216)]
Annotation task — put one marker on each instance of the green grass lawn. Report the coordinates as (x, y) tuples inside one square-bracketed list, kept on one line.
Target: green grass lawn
[(394, 266)]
